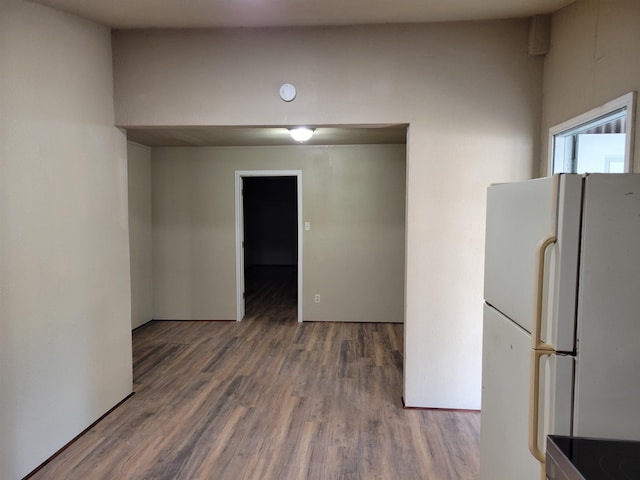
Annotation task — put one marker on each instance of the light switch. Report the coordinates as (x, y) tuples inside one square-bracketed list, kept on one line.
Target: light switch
[(307, 226)]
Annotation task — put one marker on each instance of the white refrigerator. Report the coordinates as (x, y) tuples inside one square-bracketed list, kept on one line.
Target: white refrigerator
[(561, 330)]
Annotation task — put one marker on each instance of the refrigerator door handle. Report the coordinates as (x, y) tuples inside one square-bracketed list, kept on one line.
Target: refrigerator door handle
[(538, 350), (534, 401)]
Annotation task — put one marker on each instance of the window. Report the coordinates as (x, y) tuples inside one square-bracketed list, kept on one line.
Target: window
[(600, 140)]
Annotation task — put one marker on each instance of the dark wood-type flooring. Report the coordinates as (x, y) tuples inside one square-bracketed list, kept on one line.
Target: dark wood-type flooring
[(268, 398)]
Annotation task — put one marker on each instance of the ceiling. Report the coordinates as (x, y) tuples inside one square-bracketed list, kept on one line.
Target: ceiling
[(127, 14), (281, 13), (265, 136)]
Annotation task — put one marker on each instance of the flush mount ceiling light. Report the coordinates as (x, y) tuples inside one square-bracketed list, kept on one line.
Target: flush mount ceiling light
[(301, 134)]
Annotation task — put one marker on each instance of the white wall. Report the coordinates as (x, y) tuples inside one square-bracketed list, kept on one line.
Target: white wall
[(471, 95), (353, 197), (140, 239), (595, 47), (65, 336)]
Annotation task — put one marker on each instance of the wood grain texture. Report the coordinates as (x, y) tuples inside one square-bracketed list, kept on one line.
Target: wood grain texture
[(269, 398)]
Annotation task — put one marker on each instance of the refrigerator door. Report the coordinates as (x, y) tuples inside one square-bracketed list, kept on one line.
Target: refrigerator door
[(504, 433), (607, 398), (556, 397), (504, 451)]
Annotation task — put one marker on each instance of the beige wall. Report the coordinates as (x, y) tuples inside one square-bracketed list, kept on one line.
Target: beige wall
[(471, 95), (140, 239), (353, 256), (594, 58), (65, 336)]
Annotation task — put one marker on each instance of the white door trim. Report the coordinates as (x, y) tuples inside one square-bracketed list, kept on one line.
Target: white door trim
[(240, 232)]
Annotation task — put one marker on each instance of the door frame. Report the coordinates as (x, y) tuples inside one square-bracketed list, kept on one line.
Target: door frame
[(239, 206)]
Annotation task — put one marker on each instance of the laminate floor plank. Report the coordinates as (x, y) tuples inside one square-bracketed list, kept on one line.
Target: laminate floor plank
[(269, 398)]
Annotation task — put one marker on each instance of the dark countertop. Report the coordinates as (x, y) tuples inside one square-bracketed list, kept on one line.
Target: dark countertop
[(576, 458)]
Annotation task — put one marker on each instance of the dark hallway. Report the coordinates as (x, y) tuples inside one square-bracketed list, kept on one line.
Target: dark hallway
[(271, 249), (271, 292)]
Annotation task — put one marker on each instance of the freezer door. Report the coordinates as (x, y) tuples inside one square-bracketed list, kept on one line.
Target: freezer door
[(519, 216), (504, 450), (607, 400), (561, 287)]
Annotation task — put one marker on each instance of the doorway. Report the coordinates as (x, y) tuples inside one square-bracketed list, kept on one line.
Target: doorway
[(269, 242)]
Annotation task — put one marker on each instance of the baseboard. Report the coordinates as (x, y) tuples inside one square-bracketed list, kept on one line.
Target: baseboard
[(70, 442), (144, 325), (441, 409)]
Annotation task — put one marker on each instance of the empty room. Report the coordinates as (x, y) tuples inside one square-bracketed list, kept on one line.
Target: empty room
[(187, 291)]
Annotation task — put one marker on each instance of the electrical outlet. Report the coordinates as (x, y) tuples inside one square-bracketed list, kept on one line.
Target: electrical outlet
[(316, 298)]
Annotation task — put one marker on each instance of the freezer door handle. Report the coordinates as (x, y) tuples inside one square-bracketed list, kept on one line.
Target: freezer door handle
[(539, 289), (538, 350)]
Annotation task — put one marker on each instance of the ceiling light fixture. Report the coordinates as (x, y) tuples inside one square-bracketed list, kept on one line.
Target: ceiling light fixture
[(301, 134)]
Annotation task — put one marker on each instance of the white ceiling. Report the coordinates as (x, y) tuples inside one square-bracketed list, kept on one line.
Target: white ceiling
[(280, 13), (265, 136), (126, 14)]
